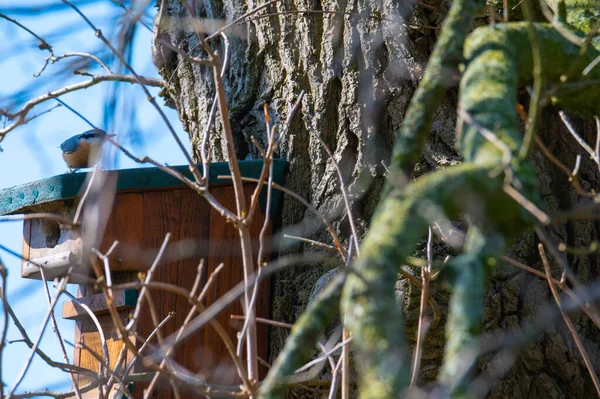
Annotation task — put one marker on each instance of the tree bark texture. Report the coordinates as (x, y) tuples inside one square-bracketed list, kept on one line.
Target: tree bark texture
[(359, 67)]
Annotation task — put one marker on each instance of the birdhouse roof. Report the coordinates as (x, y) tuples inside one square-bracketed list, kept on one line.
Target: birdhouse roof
[(21, 199)]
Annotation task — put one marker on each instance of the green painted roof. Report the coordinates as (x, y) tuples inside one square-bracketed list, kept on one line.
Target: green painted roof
[(19, 199)]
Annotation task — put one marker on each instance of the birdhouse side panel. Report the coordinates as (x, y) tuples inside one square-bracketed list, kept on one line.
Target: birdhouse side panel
[(225, 247)]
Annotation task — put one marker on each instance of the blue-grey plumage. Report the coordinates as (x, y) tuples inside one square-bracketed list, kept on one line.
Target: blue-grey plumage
[(84, 150)]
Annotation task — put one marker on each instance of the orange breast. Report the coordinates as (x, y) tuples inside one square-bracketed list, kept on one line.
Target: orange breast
[(84, 157)]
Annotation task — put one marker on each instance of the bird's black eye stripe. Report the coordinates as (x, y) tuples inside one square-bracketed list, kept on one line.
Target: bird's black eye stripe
[(91, 135)]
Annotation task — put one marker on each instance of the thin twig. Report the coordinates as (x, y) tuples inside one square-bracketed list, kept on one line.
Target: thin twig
[(208, 315), (5, 321), (148, 391), (334, 379), (597, 148), (593, 154), (204, 154), (537, 102), (43, 44), (202, 388), (106, 262), (314, 243), (344, 191), (424, 322), (561, 260), (27, 341), (52, 59), (311, 208), (49, 312), (147, 341), (345, 356), (587, 310), (568, 322), (571, 174), (325, 356), (58, 334), (244, 231), (31, 216), (21, 114), (527, 204), (264, 321), (246, 325), (241, 19), (268, 156)]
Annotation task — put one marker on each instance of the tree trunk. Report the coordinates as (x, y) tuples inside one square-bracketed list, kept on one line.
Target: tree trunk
[(359, 67)]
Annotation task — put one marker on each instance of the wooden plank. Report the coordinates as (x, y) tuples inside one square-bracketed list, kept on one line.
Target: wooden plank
[(194, 230), (126, 226), (161, 210), (123, 299), (192, 247), (225, 247), (78, 335), (87, 333), (90, 337)]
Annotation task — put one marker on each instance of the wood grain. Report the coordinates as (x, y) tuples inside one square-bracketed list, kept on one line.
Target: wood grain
[(125, 225), (225, 247), (90, 337)]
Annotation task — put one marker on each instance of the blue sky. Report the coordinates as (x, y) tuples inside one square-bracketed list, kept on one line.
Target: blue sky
[(31, 152)]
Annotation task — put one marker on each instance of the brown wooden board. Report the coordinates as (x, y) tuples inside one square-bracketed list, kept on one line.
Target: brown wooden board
[(77, 335), (125, 226), (194, 229), (90, 337), (186, 216), (139, 222), (225, 247)]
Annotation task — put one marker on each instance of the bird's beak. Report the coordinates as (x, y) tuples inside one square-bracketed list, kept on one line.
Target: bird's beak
[(111, 135)]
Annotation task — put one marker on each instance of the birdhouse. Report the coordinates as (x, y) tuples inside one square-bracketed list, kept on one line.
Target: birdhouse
[(141, 207)]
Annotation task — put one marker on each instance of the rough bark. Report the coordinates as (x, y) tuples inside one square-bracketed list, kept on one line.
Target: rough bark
[(359, 71)]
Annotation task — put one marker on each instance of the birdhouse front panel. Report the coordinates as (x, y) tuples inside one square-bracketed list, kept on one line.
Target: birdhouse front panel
[(144, 206), (140, 221)]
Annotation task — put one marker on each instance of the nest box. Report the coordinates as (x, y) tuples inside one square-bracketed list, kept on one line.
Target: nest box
[(142, 206)]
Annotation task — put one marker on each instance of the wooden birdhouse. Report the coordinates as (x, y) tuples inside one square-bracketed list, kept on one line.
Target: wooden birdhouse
[(141, 207)]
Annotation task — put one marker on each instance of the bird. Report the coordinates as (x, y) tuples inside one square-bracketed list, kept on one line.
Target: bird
[(84, 150)]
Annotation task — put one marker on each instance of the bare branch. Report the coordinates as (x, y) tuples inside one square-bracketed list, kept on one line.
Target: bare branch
[(58, 335), (21, 115), (43, 44), (49, 312)]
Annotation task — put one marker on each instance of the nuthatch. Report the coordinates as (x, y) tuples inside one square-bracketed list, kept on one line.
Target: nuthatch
[(84, 150)]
